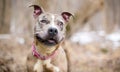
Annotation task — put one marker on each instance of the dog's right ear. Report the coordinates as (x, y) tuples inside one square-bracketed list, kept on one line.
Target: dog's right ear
[(37, 10)]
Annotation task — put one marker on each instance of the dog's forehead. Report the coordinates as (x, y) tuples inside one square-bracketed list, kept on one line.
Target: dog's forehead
[(50, 16)]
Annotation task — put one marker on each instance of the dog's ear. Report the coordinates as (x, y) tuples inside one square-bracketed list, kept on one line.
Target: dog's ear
[(66, 16), (37, 10)]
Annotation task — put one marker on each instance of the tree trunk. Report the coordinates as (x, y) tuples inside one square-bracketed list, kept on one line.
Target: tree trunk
[(112, 8), (5, 6)]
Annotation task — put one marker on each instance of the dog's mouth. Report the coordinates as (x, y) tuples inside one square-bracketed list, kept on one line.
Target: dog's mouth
[(49, 41)]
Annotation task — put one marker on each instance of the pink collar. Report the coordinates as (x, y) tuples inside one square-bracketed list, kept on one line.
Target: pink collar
[(36, 54)]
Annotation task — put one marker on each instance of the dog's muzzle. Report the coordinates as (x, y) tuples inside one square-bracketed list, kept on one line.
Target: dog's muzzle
[(50, 40)]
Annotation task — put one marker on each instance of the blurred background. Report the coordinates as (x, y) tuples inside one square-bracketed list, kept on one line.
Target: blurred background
[(93, 35)]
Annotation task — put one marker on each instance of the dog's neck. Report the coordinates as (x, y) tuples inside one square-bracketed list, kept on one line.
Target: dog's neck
[(45, 50)]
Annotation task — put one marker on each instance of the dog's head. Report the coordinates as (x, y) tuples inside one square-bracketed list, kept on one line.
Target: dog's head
[(50, 28)]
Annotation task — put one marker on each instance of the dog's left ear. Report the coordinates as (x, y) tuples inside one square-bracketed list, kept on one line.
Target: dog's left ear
[(66, 16), (37, 10)]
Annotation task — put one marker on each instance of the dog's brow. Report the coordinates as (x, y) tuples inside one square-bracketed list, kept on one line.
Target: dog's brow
[(53, 17)]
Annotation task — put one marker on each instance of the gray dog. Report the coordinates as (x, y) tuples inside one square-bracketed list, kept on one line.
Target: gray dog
[(49, 33)]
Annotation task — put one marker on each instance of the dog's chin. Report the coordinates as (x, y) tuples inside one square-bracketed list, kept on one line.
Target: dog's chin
[(47, 41)]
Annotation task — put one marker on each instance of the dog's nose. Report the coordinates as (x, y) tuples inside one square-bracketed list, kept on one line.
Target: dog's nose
[(52, 31)]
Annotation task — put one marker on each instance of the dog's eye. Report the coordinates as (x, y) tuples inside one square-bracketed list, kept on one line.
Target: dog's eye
[(60, 24), (44, 21)]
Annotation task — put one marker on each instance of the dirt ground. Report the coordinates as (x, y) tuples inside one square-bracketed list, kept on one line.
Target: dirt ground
[(87, 58), (13, 54)]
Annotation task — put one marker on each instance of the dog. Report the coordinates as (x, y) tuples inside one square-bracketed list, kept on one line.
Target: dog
[(49, 34)]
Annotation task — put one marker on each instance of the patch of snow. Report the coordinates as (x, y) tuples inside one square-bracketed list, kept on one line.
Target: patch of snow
[(113, 37), (4, 36), (83, 37), (101, 33), (101, 37), (20, 40)]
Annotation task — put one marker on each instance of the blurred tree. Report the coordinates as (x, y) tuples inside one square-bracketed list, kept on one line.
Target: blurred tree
[(112, 8), (5, 13)]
